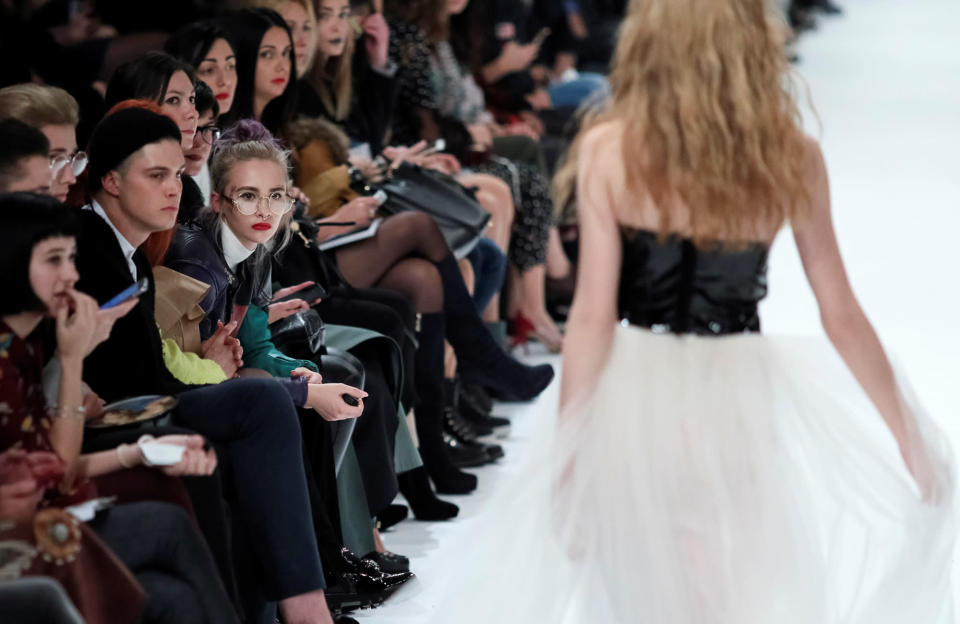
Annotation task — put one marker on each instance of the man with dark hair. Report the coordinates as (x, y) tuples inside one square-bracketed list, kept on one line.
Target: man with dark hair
[(135, 167), (24, 164)]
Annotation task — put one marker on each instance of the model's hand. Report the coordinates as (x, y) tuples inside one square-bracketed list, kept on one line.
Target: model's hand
[(76, 326), (327, 400), (376, 40), (923, 472), (311, 376)]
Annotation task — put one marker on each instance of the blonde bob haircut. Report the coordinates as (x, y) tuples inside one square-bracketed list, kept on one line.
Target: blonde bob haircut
[(703, 94), (39, 105)]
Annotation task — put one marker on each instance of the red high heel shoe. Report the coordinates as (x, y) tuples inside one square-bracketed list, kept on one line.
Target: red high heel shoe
[(522, 329)]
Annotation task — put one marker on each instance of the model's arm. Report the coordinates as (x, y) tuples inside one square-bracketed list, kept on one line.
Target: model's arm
[(840, 313), (593, 314)]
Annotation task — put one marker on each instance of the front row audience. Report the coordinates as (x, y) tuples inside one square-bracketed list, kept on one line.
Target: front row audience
[(251, 497)]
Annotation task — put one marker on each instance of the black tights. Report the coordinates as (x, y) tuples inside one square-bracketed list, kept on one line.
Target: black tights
[(400, 257)]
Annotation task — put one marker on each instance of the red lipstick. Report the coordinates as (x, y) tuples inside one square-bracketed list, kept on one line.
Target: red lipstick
[(263, 227), (223, 96), (279, 81)]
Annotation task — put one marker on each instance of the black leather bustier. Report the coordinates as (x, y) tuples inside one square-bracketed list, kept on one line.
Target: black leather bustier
[(674, 286)]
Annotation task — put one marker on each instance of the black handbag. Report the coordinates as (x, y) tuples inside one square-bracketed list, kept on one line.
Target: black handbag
[(454, 208), (303, 261)]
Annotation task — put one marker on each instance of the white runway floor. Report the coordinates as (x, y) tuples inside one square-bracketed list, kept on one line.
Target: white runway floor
[(885, 81)]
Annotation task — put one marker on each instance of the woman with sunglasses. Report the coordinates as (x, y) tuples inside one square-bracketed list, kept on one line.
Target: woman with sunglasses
[(54, 112)]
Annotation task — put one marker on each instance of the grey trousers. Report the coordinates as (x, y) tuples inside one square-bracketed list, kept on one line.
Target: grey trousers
[(159, 543)]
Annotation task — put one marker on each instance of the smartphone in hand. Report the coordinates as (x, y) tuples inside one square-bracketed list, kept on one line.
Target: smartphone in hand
[(134, 290)]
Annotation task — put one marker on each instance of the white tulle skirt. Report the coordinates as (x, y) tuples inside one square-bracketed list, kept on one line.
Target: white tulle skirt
[(733, 480)]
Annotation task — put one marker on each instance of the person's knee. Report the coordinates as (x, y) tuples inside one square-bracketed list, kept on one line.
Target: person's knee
[(422, 279), (162, 518), (265, 404)]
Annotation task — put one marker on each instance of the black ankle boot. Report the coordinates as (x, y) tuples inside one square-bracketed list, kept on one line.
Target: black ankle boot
[(479, 358), (415, 487), (429, 410), (391, 516), (481, 419)]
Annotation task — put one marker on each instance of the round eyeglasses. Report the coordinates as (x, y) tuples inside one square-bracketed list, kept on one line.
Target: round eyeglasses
[(209, 133), (77, 162), (247, 202)]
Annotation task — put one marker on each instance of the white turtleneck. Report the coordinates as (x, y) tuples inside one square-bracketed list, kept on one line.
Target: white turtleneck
[(234, 252)]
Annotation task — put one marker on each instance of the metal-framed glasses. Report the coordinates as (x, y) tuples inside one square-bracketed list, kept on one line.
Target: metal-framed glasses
[(76, 161), (247, 202), (209, 133)]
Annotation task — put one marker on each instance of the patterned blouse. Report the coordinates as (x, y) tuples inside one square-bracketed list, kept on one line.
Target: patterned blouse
[(24, 418), (410, 50)]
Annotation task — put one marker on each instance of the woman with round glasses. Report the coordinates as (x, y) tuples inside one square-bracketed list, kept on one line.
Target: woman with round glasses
[(230, 248), (227, 248), (54, 112)]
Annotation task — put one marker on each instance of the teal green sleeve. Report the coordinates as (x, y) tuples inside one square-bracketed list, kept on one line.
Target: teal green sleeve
[(260, 352)]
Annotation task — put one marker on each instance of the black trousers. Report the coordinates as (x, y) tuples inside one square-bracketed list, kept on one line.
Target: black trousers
[(254, 428)]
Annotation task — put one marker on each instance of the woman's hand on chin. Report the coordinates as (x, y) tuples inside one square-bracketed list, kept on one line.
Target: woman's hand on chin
[(76, 327)]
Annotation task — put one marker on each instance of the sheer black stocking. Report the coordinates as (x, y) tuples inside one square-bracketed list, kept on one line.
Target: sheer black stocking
[(400, 257)]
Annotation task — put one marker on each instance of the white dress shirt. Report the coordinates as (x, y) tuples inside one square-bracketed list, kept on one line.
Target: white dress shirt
[(125, 246)]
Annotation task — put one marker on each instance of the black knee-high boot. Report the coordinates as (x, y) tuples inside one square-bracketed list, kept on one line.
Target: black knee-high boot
[(429, 410), (480, 359)]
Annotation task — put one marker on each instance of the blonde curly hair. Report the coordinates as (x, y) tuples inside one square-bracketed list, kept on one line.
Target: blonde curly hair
[(703, 94)]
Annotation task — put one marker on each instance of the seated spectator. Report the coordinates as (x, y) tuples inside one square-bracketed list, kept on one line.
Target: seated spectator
[(206, 48), (208, 112), (430, 75), (167, 82), (55, 113), (232, 251), (24, 164), (135, 164), (38, 251), (266, 69)]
